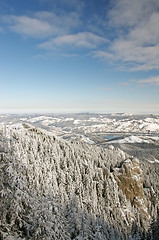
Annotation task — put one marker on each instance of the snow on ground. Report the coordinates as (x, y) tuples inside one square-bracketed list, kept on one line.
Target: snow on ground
[(36, 119), (155, 138), (152, 120), (124, 125), (77, 122), (68, 119), (56, 131), (48, 122), (130, 139), (86, 140), (153, 127), (44, 120), (16, 126), (147, 128), (23, 119), (155, 161), (101, 123)]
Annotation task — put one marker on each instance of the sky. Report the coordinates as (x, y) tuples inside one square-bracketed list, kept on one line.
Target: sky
[(79, 56)]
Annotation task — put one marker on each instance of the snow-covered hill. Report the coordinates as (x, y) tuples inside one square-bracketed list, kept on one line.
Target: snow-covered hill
[(56, 189), (130, 139), (92, 122), (93, 128), (122, 125)]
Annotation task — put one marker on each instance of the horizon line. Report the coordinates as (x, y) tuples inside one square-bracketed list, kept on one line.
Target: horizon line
[(32, 112)]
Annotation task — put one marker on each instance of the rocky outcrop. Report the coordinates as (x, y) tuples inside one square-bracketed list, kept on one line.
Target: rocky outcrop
[(130, 180)]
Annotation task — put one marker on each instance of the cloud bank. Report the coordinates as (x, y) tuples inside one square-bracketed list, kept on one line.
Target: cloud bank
[(153, 81), (42, 24), (136, 44), (82, 39), (129, 32)]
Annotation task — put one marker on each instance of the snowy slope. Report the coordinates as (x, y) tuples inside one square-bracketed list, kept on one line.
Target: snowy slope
[(93, 128), (124, 125), (54, 189), (130, 139)]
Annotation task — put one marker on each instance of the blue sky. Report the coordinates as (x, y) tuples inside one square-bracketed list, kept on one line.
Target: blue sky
[(79, 56)]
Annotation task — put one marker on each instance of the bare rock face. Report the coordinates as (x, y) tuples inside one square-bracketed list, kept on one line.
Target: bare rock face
[(130, 180)]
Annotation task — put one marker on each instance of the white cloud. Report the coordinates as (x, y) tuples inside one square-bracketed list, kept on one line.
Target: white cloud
[(148, 81), (128, 13), (136, 44), (146, 33), (41, 24), (28, 26), (62, 21), (82, 39), (137, 56), (132, 25)]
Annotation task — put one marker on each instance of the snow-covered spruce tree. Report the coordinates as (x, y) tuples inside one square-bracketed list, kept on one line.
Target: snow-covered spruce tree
[(24, 214), (53, 189)]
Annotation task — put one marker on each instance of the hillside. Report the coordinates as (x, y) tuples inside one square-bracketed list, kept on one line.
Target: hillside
[(56, 189)]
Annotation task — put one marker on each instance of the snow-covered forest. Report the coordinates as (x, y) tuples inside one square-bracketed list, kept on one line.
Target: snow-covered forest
[(56, 189)]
